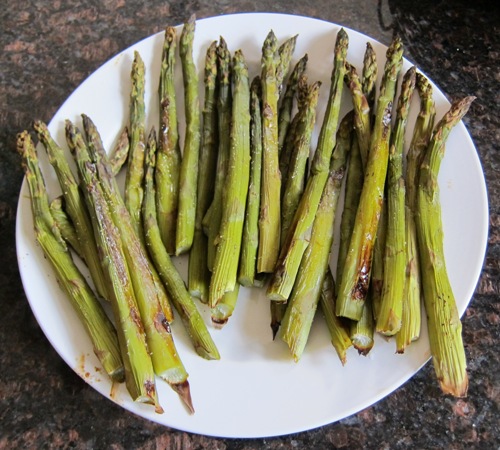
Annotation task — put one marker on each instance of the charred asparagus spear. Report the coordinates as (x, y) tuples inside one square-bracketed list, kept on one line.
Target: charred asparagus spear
[(356, 273), (443, 321), (250, 240), (270, 216), (304, 299), (93, 318), (189, 165), (169, 155), (198, 273), (369, 75), (134, 178), (224, 275), (179, 295), (297, 238), (75, 206), (410, 328), (389, 317)]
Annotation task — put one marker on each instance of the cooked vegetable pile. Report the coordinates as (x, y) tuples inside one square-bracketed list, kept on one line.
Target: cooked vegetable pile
[(254, 205)]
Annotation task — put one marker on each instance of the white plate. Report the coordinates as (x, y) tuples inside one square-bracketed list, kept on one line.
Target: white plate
[(256, 390)]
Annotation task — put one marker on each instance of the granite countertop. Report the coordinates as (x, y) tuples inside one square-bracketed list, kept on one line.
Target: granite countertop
[(49, 47)]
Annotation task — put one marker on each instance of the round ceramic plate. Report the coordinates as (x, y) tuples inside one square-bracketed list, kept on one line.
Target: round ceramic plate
[(256, 389)]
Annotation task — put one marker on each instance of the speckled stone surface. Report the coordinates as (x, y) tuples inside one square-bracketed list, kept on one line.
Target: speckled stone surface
[(47, 48)]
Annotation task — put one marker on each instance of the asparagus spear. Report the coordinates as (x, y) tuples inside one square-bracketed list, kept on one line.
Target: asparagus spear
[(355, 172), (139, 372), (198, 273), (286, 106), (356, 273), (304, 299), (250, 240), (169, 154), (179, 295), (133, 180), (362, 112), (294, 186), (410, 328), (391, 306), (224, 107), (75, 206), (443, 321), (270, 215), (227, 255), (189, 165), (338, 330), (297, 238), (93, 318), (144, 275), (119, 155), (66, 228)]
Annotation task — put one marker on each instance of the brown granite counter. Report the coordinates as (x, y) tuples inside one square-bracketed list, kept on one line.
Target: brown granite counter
[(49, 47)]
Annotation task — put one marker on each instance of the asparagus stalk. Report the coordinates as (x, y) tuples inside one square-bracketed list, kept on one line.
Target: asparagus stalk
[(270, 215), (389, 317), (213, 216), (139, 372), (75, 206), (410, 328), (66, 228), (295, 181), (250, 240), (362, 112), (179, 295), (443, 321), (338, 330), (169, 155), (119, 155), (293, 178), (92, 316), (198, 273), (134, 178), (145, 276), (297, 238), (286, 106), (356, 273), (377, 274), (224, 276), (189, 165), (303, 302)]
